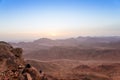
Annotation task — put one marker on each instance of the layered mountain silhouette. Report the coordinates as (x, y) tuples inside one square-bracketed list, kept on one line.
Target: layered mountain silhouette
[(81, 48)]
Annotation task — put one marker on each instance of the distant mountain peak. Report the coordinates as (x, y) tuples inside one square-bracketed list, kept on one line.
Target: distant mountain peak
[(43, 40)]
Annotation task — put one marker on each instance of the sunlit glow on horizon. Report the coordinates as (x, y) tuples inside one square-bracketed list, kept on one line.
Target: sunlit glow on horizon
[(31, 19)]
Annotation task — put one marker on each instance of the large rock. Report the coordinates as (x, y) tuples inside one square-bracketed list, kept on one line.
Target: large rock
[(12, 63), (10, 58)]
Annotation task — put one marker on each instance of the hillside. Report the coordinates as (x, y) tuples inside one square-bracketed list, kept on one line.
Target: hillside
[(74, 53), (13, 66), (79, 70)]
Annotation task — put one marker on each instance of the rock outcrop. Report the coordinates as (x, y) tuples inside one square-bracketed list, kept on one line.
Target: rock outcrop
[(12, 64)]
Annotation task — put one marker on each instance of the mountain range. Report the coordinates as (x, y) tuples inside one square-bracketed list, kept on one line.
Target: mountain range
[(80, 48)]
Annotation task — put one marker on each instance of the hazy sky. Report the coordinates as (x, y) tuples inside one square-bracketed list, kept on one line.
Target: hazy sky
[(30, 19)]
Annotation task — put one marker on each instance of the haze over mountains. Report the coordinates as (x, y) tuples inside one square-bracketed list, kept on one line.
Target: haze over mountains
[(82, 58), (80, 48)]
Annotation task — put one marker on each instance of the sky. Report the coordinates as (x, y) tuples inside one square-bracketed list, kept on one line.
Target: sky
[(32, 19)]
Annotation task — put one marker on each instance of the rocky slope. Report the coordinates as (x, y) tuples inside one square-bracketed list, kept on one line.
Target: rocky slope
[(13, 66)]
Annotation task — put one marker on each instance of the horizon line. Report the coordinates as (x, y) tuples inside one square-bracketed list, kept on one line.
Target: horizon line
[(34, 39)]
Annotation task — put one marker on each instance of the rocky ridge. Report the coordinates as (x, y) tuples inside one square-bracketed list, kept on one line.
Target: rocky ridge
[(13, 66)]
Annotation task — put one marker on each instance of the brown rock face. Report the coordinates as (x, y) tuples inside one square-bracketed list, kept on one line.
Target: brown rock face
[(18, 55), (12, 63), (7, 58)]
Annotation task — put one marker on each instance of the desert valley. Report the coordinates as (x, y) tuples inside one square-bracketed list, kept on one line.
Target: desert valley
[(82, 58)]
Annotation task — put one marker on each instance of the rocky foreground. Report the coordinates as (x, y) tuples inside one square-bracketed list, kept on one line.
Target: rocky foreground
[(13, 66)]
